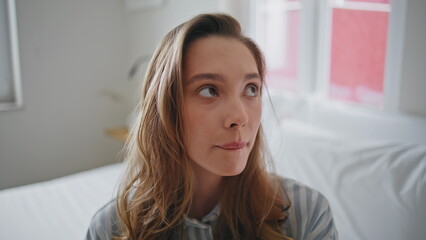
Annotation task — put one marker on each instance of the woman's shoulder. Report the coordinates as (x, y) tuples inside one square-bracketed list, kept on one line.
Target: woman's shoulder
[(309, 214), (299, 192), (104, 223)]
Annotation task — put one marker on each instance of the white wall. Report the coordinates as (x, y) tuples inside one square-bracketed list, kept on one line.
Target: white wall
[(147, 28), (75, 57), (71, 59)]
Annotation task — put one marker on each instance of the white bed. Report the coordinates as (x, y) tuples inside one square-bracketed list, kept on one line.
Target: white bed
[(57, 209), (377, 189)]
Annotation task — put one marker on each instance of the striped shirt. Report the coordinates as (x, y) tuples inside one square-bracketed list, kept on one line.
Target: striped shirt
[(309, 217)]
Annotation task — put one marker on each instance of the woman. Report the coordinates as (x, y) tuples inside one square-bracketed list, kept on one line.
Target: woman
[(195, 158)]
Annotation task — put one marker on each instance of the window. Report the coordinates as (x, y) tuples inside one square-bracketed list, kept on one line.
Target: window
[(358, 39), (345, 85), (349, 37), (278, 36)]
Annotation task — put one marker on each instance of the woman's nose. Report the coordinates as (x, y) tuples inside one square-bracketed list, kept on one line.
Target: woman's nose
[(236, 114)]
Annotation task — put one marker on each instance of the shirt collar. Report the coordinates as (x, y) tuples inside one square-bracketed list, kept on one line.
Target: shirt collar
[(205, 222)]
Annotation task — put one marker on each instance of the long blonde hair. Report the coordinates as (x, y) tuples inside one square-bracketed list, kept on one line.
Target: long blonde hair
[(159, 182)]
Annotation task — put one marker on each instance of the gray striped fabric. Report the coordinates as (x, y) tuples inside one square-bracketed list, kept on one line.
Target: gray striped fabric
[(309, 217)]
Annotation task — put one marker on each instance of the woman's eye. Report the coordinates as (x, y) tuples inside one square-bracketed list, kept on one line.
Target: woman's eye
[(208, 91), (251, 90)]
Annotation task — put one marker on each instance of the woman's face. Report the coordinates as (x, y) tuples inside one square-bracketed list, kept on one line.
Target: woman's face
[(222, 105)]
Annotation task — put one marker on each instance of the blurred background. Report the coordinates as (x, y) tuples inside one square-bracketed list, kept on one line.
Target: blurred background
[(354, 67)]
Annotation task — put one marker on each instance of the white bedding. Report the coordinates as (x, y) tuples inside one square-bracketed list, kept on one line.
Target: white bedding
[(376, 189), (57, 209)]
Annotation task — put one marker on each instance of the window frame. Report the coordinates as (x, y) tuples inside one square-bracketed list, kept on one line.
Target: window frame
[(314, 53), (14, 61), (324, 52)]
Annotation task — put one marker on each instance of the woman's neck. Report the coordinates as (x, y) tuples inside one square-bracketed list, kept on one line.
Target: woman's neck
[(207, 195)]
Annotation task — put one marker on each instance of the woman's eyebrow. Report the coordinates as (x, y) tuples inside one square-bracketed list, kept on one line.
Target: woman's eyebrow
[(251, 76), (218, 77), (206, 76)]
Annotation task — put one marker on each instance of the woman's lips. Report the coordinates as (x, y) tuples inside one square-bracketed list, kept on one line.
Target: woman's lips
[(232, 145)]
